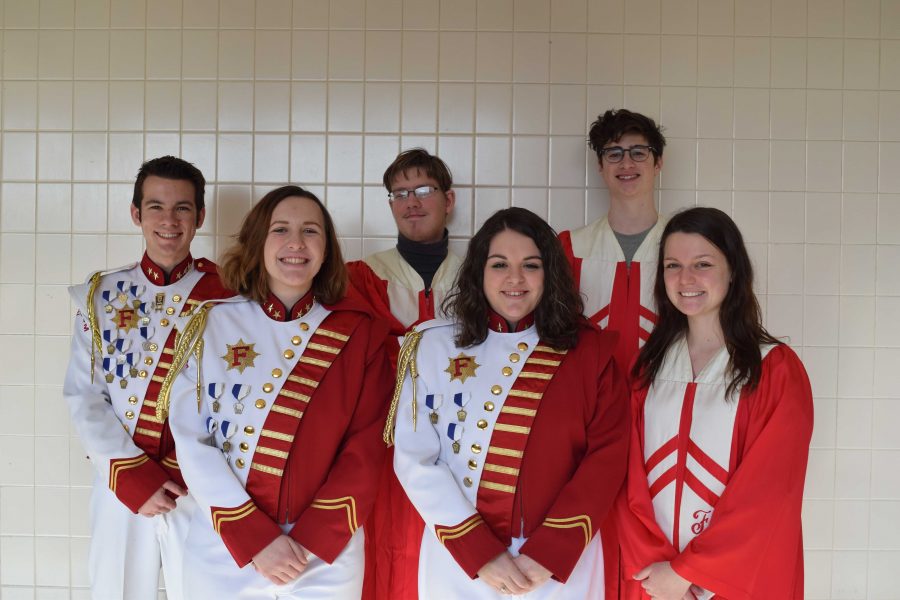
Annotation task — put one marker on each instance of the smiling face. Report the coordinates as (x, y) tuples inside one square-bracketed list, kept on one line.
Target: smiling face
[(630, 179), (295, 248), (513, 276), (421, 220), (696, 275), (168, 219)]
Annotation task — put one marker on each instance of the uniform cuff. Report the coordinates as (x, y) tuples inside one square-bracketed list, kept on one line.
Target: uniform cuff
[(133, 480)]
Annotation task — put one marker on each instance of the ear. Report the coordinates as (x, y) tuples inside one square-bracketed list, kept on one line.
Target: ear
[(451, 201), (135, 215), (201, 217), (659, 164)]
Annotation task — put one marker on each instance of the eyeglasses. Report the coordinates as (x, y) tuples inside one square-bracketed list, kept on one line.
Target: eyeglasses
[(615, 154), (421, 192)]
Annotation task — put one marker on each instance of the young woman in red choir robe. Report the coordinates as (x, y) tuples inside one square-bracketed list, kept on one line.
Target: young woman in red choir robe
[(722, 417)]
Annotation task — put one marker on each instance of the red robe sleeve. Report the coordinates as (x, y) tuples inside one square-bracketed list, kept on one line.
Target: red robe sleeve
[(367, 285), (752, 548)]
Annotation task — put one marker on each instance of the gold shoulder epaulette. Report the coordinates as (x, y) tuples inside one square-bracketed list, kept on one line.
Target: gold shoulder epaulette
[(405, 360), (188, 341), (96, 340)]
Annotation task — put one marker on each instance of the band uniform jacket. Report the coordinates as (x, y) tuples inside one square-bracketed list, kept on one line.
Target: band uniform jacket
[(715, 484), (283, 423), (121, 352), (508, 439)]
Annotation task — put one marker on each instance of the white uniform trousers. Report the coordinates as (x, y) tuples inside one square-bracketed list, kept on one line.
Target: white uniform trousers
[(210, 572), (126, 549), (441, 578)]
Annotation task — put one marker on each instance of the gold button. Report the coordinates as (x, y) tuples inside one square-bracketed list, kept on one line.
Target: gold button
[(496, 389), (489, 406), (522, 346), (289, 354), (108, 308), (506, 371), (276, 373), (170, 311), (467, 481), (260, 403), (513, 358), (482, 424), (132, 400), (249, 430), (142, 374), (240, 463), (176, 298), (244, 446), (304, 327), (473, 464), (153, 347), (226, 446), (145, 320), (129, 414), (476, 448), (296, 340), (148, 361), (164, 322), (122, 296), (268, 387)]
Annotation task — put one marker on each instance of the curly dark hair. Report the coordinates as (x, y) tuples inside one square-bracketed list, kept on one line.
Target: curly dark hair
[(739, 315), (613, 124), (558, 313), (171, 167), (243, 267), (418, 159)]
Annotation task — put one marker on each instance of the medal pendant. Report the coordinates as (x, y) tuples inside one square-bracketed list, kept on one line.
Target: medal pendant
[(133, 371), (110, 349), (434, 417), (123, 297), (108, 308), (216, 406), (238, 408), (146, 346), (136, 303), (158, 301), (461, 415), (109, 378), (455, 446), (123, 383)]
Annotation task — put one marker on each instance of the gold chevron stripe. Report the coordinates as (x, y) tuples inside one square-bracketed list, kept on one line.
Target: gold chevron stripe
[(124, 465), (452, 536), (347, 502), (150, 403), (501, 469), (169, 462), (535, 375), (149, 419), (304, 381), (499, 450), (499, 487), (549, 350), (291, 412), (512, 428), (523, 394), (321, 348), (168, 351), (515, 410), (271, 452), (294, 395), (157, 379), (221, 517), (284, 437), (583, 521), (315, 362), (148, 432), (164, 365), (267, 469), (442, 531), (542, 361), (332, 334)]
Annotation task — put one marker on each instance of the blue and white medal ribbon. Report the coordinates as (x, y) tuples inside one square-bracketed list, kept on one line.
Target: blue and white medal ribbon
[(433, 401), (239, 391), (215, 392), (455, 433)]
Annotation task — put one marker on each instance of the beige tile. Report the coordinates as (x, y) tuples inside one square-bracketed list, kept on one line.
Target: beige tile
[(346, 54), (494, 15), (861, 18), (456, 107), (751, 18), (419, 101), (715, 66), (531, 58), (789, 17), (383, 14), (345, 106), (382, 107), (530, 161), (420, 55), (55, 54), (457, 55), (606, 16), (534, 15), (458, 15), (861, 64), (270, 158), (308, 106), (494, 56), (344, 159), (788, 62), (642, 16), (421, 15), (163, 53), (91, 58), (825, 18), (642, 60), (492, 160), (493, 108), (679, 60)]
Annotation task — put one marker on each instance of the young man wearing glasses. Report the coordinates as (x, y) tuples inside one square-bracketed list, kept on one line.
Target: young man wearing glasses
[(614, 258), (405, 285)]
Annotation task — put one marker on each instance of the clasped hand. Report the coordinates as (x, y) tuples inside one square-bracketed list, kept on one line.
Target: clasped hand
[(513, 575), (661, 582), (282, 561)]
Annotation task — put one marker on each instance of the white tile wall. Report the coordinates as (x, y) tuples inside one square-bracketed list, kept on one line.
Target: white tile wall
[(786, 113)]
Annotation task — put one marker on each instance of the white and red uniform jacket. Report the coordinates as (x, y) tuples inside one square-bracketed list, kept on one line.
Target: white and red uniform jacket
[(617, 296), (511, 445), (716, 483)]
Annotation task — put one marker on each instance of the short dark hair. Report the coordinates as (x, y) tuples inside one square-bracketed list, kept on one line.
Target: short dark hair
[(558, 313), (739, 315), (615, 123), (170, 167), (420, 159), (243, 267)]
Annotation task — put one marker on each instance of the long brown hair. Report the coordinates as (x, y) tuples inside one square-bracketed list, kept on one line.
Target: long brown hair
[(558, 313), (243, 268), (739, 315)]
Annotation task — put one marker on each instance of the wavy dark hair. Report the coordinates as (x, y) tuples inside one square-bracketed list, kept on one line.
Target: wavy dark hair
[(739, 315), (243, 267), (558, 313), (418, 159), (171, 167), (613, 124)]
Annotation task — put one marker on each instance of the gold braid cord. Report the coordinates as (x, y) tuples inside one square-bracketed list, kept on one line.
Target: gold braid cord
[(405, 360), (96, 340), (188, 341)]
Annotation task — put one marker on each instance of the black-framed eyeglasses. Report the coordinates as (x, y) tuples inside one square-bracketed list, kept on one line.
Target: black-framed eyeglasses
[(421, 192), (615, 154)]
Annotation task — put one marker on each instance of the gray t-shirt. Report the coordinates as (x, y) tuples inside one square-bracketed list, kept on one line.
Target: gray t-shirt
[(630, 242)]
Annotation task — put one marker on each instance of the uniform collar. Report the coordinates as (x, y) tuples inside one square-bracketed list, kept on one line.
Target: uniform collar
[(158, 276), (499, 324), (276, 310)]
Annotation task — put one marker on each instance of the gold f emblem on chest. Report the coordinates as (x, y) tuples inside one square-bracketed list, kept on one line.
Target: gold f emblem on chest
[(462, 367), (239, 355)]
